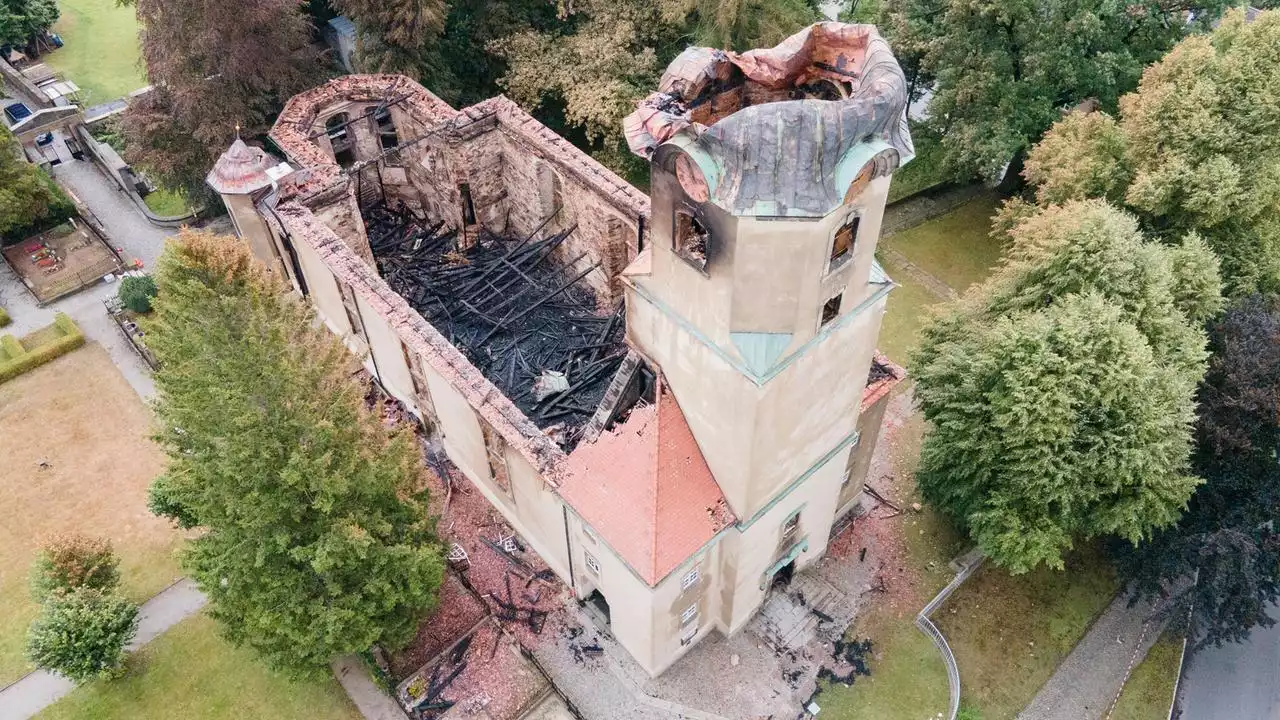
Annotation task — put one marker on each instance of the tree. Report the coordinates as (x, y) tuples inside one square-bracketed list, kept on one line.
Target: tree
[(1060, 392), (22, 20), (29, 199), (82, 634), (605, 55), (1188, 153), (393, 34), (1004, 69), (1227, 540), (69, 562), (136, 293), (316, 539), (214, 66)]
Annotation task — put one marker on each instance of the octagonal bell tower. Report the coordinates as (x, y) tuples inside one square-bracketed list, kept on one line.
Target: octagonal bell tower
[(759, 296)]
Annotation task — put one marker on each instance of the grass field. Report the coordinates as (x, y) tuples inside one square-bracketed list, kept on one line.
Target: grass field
[(79, 415), (956, 248), (192, 673), (166, 203), (1149, 692), (1010, 632), (101, 52)]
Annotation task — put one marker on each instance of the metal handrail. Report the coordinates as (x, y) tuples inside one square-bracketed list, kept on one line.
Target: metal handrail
[(925, 624)]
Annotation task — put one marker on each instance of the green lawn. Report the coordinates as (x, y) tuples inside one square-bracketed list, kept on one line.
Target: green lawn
[(1149, 692), (956, 248), (1010, 632), (905, 314), (908, 679), (191, 673), (102, 51), (166, 203)]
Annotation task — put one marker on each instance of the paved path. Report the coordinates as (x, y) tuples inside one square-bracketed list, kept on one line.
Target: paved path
[(128, 230), (1238, 681), (40, 689), (372, 702), (1084, 685)]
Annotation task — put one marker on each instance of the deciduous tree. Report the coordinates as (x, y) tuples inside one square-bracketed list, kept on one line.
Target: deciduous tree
[(316, 539), (29, 199), (22, 20), (393, 35), (1228, 539), (1190, 151), (213, 66), (1004, 69), (74, 561), (82, 634), (1060, 392)]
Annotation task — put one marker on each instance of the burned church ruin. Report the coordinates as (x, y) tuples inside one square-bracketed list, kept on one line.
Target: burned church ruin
[(671, 398)]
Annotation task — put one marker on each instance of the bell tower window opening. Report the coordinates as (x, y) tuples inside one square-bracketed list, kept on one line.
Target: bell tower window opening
[(692, 240), (843, 244), (336, 128), (386, 129)]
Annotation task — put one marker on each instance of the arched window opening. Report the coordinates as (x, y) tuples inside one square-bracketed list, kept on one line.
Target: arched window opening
[(692, 240), (386, 128), (337, 128)]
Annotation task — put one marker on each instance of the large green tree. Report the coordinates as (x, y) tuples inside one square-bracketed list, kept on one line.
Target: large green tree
[(1060, 392), (1004, 69), (316, 539), (1194, 150), (1228, 541), (29, 199), (394, 35), (214, 66), (22, 20)]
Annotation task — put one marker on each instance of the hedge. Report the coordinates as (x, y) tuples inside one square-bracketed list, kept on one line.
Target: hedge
[(23, 359), (4, 317)]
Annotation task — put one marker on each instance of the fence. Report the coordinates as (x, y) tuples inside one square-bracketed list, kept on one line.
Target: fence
[(927, 627)]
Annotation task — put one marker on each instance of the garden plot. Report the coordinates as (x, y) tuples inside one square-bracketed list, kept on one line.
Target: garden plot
[(62, 260)]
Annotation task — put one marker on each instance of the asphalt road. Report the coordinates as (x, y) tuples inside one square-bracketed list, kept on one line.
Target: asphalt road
[(1238, 681)]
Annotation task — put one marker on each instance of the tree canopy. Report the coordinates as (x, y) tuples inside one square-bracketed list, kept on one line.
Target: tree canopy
[(316, 538), (214, 66), (1228, 539), (21, 20), (1191, 151), (1060, 392), (1003, 70), (29, 199), (393, 35)]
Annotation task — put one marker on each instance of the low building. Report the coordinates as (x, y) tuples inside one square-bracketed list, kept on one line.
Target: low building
[(672, 398)]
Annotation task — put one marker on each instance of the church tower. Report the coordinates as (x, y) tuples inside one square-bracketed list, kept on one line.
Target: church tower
[(759, 297)]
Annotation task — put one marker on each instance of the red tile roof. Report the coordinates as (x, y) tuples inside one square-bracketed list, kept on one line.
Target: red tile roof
[(646, 490)]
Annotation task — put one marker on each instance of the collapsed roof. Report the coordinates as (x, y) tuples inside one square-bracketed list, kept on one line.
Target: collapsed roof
[(782, 130)]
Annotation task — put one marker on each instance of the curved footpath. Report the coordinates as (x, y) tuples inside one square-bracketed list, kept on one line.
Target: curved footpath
[(38, 690)]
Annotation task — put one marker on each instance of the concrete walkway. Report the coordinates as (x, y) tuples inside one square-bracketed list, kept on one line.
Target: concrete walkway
[(40, 689), (1085, 684), (372, 702)]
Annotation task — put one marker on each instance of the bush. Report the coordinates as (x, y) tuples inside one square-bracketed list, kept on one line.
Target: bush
[(82, 635), (22, 360), (70, 562), (136, 292), (4, 317)]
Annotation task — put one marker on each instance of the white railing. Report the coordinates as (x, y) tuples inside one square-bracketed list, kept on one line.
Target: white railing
[(928, 628)]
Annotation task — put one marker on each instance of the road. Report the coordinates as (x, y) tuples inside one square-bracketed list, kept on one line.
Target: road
[(1238, 681)]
